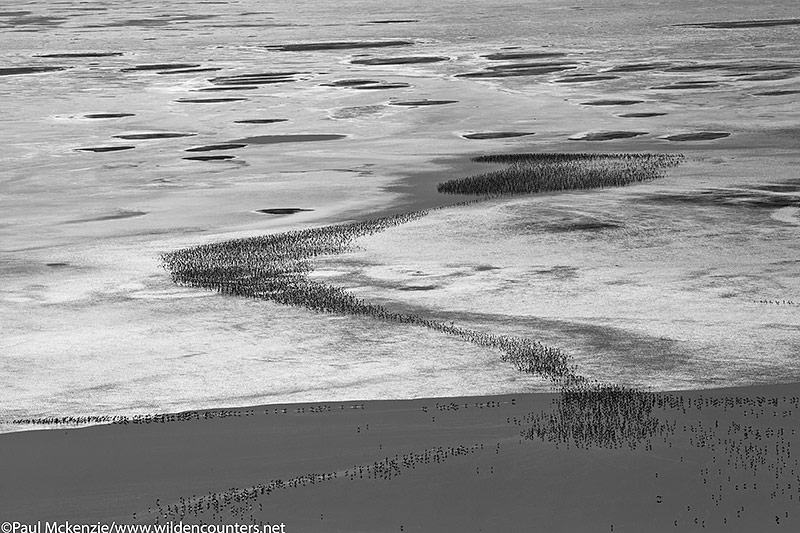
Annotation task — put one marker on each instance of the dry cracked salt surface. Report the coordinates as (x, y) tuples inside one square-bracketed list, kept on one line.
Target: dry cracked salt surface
[(92, 324)]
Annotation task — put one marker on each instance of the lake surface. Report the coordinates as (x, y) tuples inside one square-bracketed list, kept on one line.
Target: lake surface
[(104, 104)]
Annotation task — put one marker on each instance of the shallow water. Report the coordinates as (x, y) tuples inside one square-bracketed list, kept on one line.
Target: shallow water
[(92, 325)]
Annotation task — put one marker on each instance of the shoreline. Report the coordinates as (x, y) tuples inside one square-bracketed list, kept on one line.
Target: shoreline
[(142, 419), (167, 417)]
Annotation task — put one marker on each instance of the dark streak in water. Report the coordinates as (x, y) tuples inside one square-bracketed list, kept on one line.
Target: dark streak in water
[(608, 135), (210, 157), (254, 75), (105, 149), (282, 210), (394, 21), (80, 54), (212, 147), (641, 115), (155, 135), (208, 100), (781, 92), (763, 66), (109, 115), (534, 65), (337, 45), (160, 66), (13, 71), (515, 72), (379, 86), (188, 70), (114, 216), (227, 88), (612, 102), (261, 25), (699, 67), (496, 135), (261, 121), (767, 76), (637, 67), (502, 56), (585, 78), (164, 20), (698, 136), (685, 85), (740, 24), (399, 60), (30, 19), (254, 81), (792, 186), (424, 102), (590, 225), (271, 139), (349, 83)]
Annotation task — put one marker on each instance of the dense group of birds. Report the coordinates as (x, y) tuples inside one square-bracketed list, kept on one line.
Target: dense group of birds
[(776, 302), (240, 503), (148, 418), (596, 415), (275, 267), (749, 459), (544, 172), (744, 456), (583, 415)]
